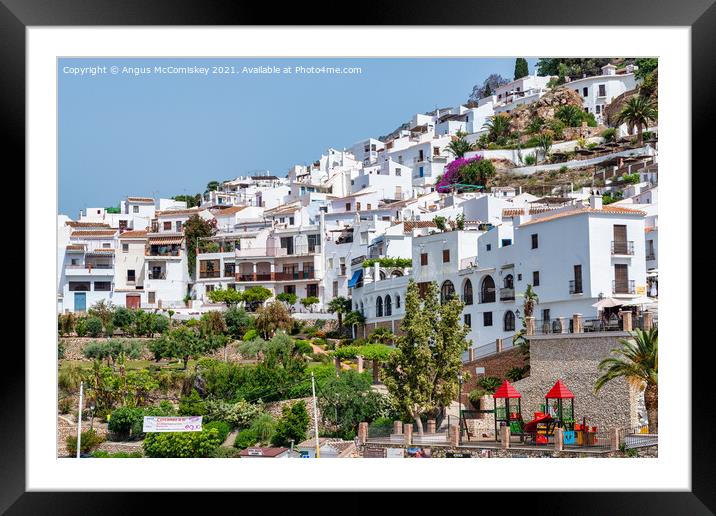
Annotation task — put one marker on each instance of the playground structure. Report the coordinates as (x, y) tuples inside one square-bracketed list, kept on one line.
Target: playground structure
[(556, 412)]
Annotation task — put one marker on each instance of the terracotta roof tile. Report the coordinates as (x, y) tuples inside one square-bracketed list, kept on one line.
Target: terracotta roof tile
[(96, 233), (172, 213), (141, 233), (227, 211), (141, 199), (75, 247), (78, 224)]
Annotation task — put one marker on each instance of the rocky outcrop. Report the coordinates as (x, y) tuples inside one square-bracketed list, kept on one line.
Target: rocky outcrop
[(544, 108)]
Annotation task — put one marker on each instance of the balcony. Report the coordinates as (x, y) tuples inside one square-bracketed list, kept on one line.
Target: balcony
[(623, 248), (507, 294), (210, 274), (575, 287), (278, 252), (276, 276), (157, 275), (89, 270), (623, 287), (650, 255)]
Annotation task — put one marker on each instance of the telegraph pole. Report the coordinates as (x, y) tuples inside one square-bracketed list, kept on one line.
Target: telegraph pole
[(79, 419), (315, 415)]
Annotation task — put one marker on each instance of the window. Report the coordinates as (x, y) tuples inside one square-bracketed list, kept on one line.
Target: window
[(102, 286), (125, 248), (585, 92), (423, 258), (447, 291), (289, 289), (379, 307), (488, 247), (545, 315), (131, 275), (577, 281), (467, 292), (313, 242), (369, 207), (335, 289), (312, 290), (151, 297), (178, 226), (75, 261), (229, 269), (388, 306), (535, 241), (535, 278), (135, 209), (509, 321), (468, 320), (598, 109), (106, 246), (446, 255), (509, 281), (487, 290), (602, 90), (519, 276), (348, 206), (397, 301), (79, 286), (506, 242), (487, 319), (291, 221), (210, 288)]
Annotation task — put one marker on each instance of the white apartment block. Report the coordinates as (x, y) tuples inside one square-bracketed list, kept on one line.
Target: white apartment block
[(517, 93), (598, 91)]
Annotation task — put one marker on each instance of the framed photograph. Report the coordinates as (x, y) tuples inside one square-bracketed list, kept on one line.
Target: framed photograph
[(381, 237)]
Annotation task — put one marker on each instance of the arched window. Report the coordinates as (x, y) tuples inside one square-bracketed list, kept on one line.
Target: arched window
[(397, 301), (388, 306), (487, 290), (509, 321), (467, 292), (447, 291), (396, 273), (381, 274), (509, 281), (362, 310), (379, 307)]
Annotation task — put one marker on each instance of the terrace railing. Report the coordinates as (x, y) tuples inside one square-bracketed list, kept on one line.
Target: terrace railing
[(623, 247)]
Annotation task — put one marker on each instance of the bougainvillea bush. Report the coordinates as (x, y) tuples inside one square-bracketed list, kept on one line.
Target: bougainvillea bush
[(467, 171)]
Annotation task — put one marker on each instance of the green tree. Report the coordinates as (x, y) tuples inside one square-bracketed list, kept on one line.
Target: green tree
[(254, 297), (212, 186), (230, 297), (182, 444), (196, 228), (440, 222), (521, 68), (287, 297), (382, 336), (354, 319), (190, 200), (531, 299), (347, 400), (638, 111), (637, 362), (421, 375), (292, 425), (237, 322), (184, 343), (340, 306), (459, 146), (309, 301), (570, 114)]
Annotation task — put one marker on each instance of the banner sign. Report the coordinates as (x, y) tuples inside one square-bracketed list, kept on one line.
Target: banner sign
[(374, 452), (172, 424)]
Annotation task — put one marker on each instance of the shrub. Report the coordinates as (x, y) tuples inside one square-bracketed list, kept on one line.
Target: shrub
[(101, 454), (475, 396), (238, 414), (89, 440), (292, 425), (81, 326), (303, 346), (264, 427), (237, 321), (288, 298), (123, 319), (245, 438), (516, 373), (309, 301), (222, 427), (530, 160), (225, 452), (489, 383), (66, 323), (123, 420), (192, 405), (64, 406), (381, 423), (182, 444), (160, 323), (94, 326), (250, 335), (609, 134), (60, 349)]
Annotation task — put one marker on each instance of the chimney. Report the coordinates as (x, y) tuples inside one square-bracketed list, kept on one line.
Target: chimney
[(595, 202)]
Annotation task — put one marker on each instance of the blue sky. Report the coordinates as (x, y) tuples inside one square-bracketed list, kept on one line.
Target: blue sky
[(162, 135)]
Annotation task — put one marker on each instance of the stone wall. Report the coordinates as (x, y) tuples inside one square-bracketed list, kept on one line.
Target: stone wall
[(573, 358), (275, 409), (495, 365)]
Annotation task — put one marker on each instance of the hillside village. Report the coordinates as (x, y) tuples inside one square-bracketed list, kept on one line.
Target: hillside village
[(534, 206)]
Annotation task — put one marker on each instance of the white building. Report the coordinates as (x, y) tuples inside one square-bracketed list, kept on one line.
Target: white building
[(130, 272), (599, 90), (525, 90)]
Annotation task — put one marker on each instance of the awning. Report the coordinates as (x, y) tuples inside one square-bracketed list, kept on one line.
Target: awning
[(641, 300), (357, 275), (168, 240)]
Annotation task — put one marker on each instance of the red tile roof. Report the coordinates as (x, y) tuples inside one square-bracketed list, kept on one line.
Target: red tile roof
[(173, 213), (142, 233), (76, 247), (265, 452), (227, 211), (96, 233), (77, 224), (140, 199)]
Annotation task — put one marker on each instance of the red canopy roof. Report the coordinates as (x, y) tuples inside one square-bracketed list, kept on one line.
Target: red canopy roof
[(559, 391), (506, 391)]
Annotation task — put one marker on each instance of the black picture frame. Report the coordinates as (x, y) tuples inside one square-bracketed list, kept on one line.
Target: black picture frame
[(17, 15)]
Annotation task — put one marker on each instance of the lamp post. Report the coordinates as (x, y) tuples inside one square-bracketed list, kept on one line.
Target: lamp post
[(460, 380)]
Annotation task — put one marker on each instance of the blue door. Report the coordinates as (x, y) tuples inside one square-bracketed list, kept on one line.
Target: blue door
[(80, 301)]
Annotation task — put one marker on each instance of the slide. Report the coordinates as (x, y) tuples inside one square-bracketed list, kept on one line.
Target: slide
[(531, 426)]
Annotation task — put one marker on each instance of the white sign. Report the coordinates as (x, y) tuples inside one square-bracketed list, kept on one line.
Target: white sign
[(395, 453), (172, 424), (255, 452)]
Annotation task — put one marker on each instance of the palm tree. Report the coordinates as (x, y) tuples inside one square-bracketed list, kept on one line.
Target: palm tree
[(497, 126), (638, 111), (531, 300), (354, 318), (459, 146), (382, 336), (637, 362), (544, 144), (339, 305)]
